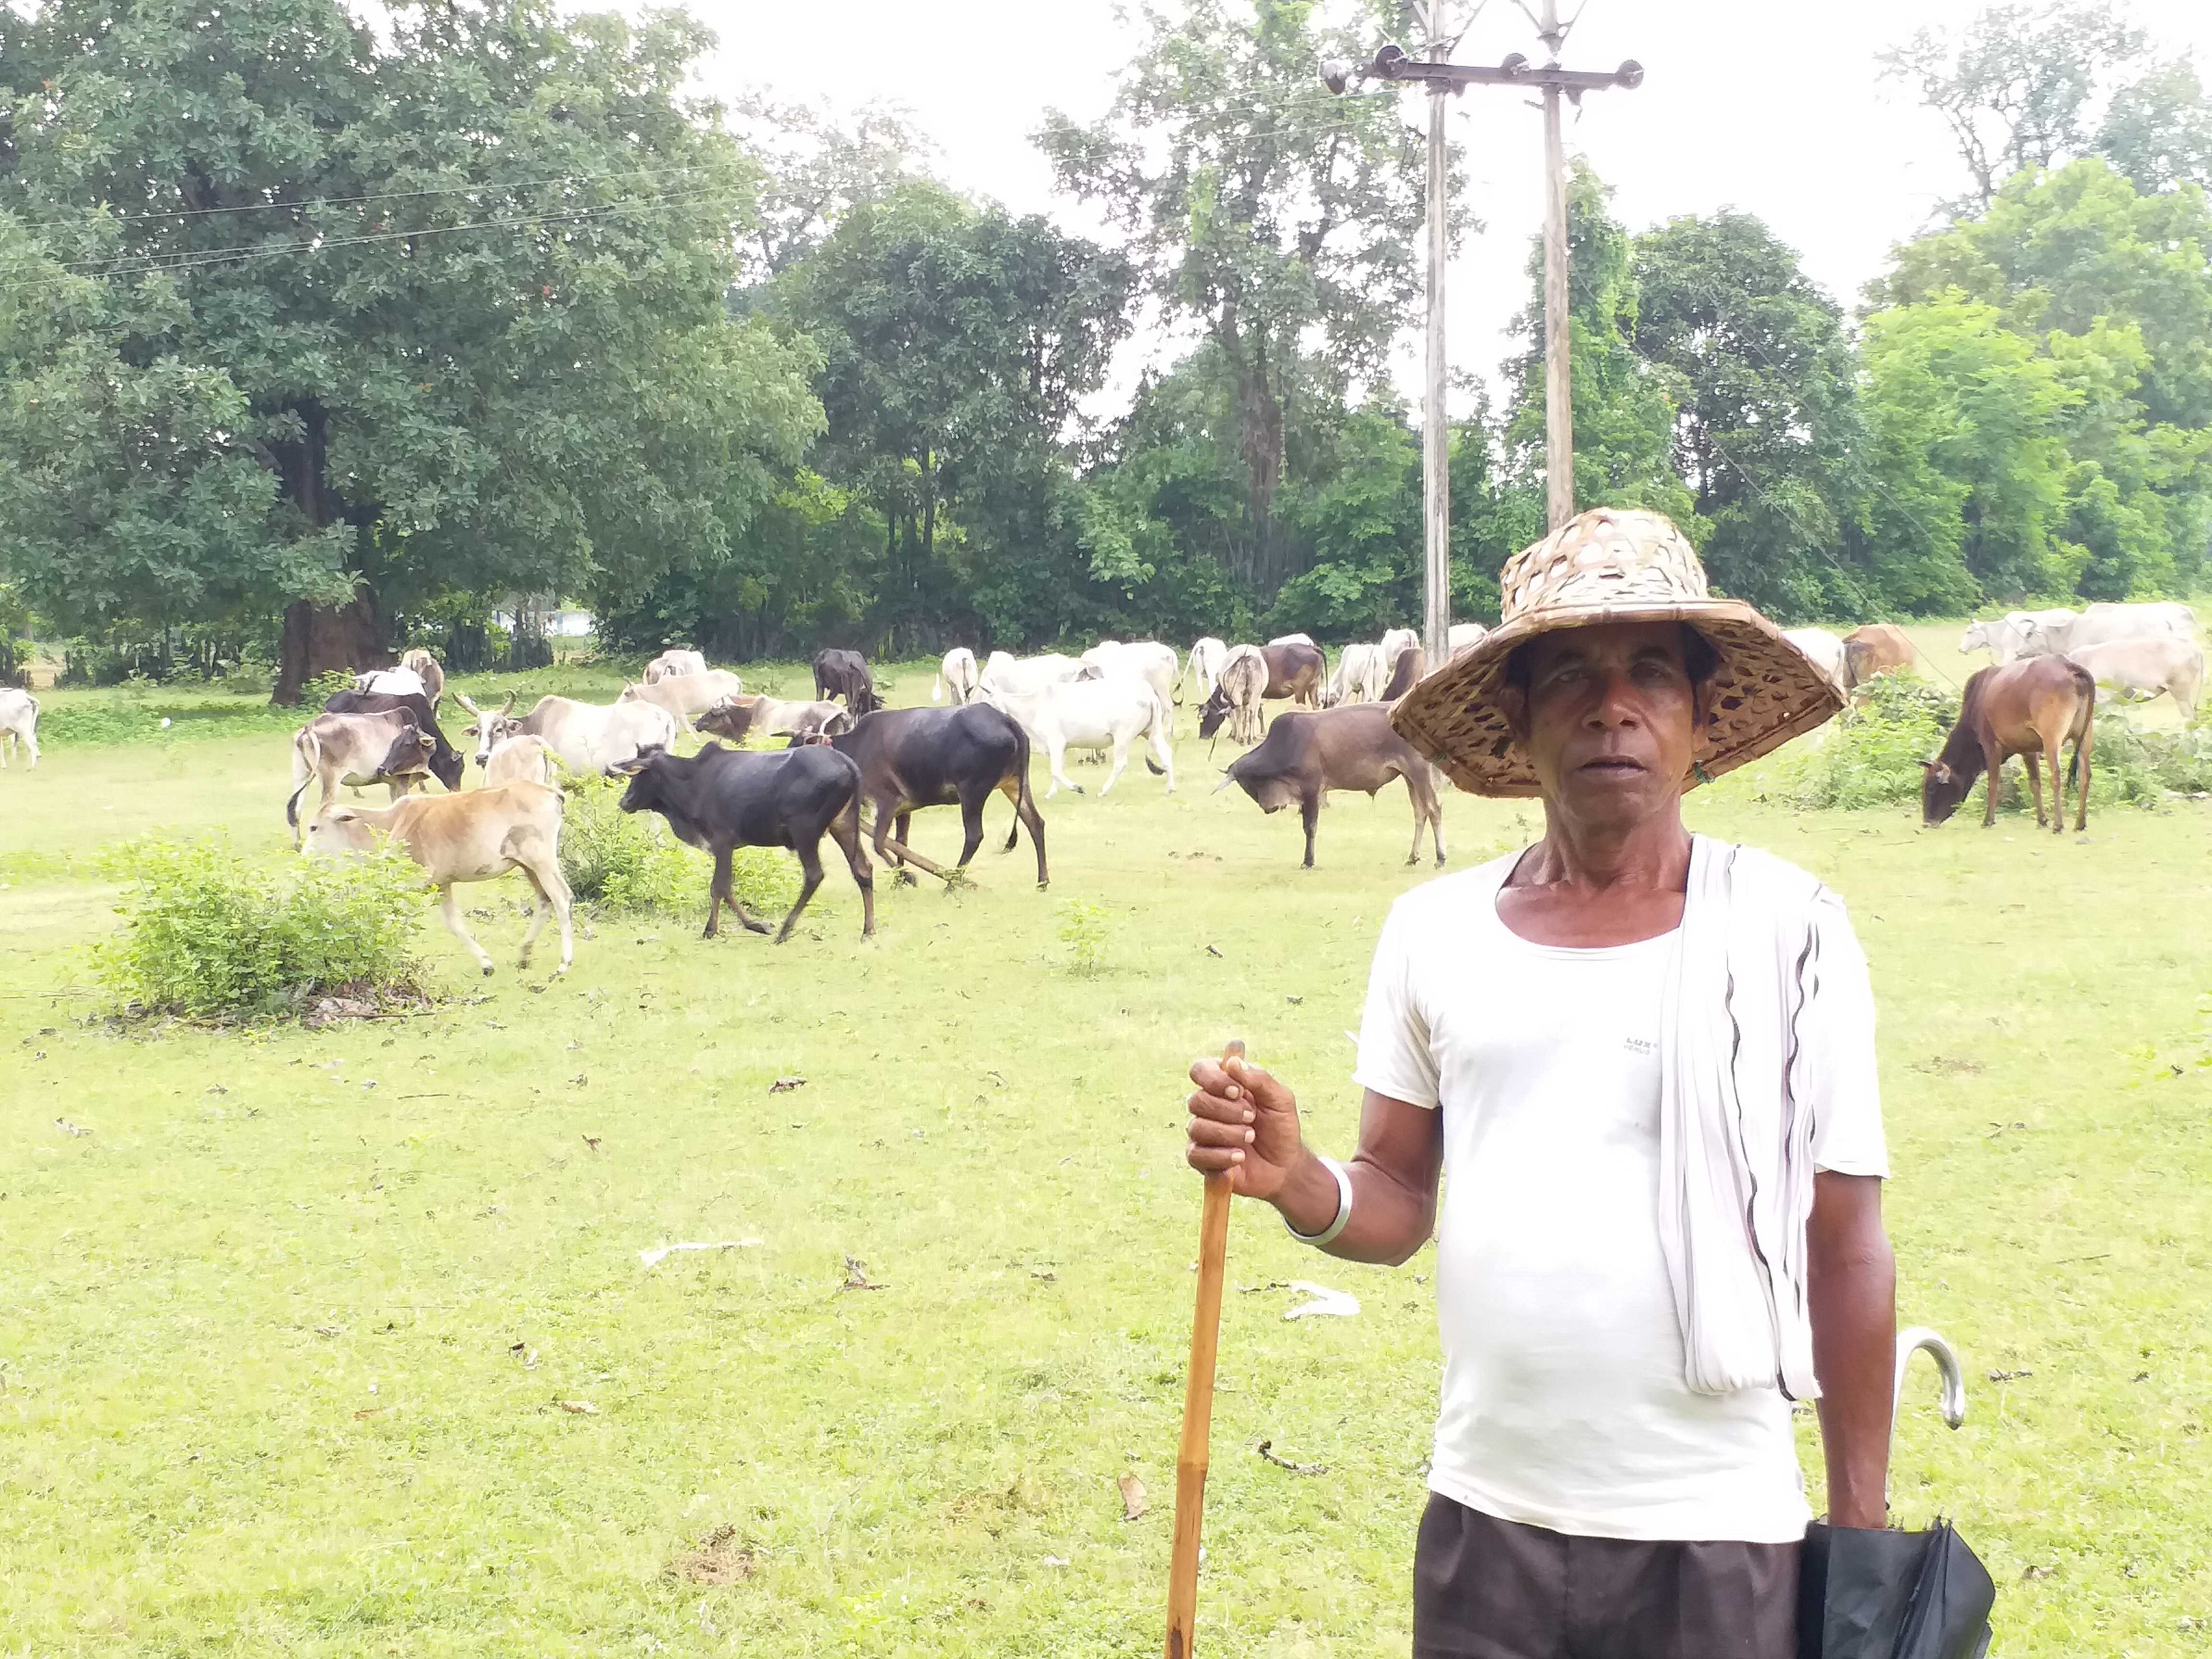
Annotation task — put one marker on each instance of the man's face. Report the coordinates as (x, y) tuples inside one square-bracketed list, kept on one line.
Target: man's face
[(1609, 721)]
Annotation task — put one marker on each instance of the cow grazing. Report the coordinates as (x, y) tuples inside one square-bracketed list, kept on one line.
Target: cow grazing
[(585, 737), (839, 674), (2100, 624), (446, 762), (19, 725), (428, 669), (1875, 648), (1306, 756), (1297, 671), (393, 683), (911, 758), (519, 760), (739, 717), (2148, 665), (2033, 706), (2015, 634), (1104, 715), (1205, 662), (686, 696), (674, 663), (1238, 691), (720, 799), (1406, 670), (478, 836), (957, 673), (1360, 675), (385, 747), (1823, 649)]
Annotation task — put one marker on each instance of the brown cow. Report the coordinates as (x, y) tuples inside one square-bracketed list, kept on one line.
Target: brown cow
[(1296, 670), (1875, 648), (1352, 747), (2037, 703), (1406, 673)]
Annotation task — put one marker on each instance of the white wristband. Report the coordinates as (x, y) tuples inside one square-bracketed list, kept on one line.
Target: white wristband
[(1328, 1235)]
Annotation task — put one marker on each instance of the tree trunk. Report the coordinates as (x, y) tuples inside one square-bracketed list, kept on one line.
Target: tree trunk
[(322, 638)]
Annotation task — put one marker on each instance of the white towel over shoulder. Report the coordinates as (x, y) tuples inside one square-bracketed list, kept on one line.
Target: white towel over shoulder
[(1747, 1021)]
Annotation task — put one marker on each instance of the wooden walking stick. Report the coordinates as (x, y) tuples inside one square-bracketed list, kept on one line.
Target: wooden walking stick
[(1198, 1408)]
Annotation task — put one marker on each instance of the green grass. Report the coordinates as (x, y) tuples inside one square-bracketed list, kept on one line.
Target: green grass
[(281, 1352)]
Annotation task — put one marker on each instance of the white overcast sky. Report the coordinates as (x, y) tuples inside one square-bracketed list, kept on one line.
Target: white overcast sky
[(1773, 107)]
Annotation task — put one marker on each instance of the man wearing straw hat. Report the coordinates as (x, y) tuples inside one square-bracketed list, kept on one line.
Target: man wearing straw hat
[(1645, 1059)]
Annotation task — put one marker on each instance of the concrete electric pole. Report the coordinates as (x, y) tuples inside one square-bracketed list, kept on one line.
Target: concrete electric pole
[(1391, 63)]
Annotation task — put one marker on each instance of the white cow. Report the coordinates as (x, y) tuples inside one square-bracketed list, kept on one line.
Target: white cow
[(1101, 714), (1021, 675), (427, 669), (1361, 674), (1294, 639), (478, 835), (1204, 660), (674, 663), (2100, 624), (1395, 642), (1464, 636), (739, 717), (393, 683), (686, 696), (958, 673), (585, 736), (1826, 650), (19, 723), (2147, 664), (2015, 634), (1148, 661), (519, 760)]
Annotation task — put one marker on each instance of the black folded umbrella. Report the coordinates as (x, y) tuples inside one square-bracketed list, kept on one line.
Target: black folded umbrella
[(1866, 1594), (1873, 1593)]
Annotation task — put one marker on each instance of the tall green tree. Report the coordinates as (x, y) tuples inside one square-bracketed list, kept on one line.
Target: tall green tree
[(1279, 219), (2017, 86), (2158, 129), (1768, 417), (456, 287), (1625, 408)]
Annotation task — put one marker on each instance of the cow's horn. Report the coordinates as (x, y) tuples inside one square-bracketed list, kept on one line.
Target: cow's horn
[(463, 698), (509, 704), (1227, 778)]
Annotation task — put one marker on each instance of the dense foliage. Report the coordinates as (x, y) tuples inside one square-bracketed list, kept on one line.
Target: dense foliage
[(355, 333), (207, 933)]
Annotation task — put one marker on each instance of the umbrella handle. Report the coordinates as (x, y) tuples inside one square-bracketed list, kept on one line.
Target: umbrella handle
[(1946, 1364)]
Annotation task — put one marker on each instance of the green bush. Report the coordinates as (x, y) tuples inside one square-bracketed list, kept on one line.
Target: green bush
[(629, 861), (2131, 766), (209, 934), (1873, 751), (1083, 931)]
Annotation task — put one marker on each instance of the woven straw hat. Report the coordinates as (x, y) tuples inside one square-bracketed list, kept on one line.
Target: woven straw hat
[(1611, 565)]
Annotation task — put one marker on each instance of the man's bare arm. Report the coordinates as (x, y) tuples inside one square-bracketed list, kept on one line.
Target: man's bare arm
[(1852, 1285), (1245, 1121)]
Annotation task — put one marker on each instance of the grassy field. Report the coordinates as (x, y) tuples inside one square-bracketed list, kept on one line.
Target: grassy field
[(341, 1343)]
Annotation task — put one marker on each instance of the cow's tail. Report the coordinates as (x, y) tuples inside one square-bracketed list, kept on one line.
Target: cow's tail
[(307, 759), (1025, 802), (1163, 721)]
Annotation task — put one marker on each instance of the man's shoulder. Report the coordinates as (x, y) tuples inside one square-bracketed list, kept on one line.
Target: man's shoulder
[(1454, 899), (1757, 878)]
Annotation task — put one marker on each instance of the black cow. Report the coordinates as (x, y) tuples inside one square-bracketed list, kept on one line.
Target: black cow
[(1353, 746), (720, 799), (845, 674), (915, 758), (446, 762)]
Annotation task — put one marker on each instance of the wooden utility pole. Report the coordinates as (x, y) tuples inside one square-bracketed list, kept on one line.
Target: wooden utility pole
[(1558, 327), (1392, 64), (1436, 469)]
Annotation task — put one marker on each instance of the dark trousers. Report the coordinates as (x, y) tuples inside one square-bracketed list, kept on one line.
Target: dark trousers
[(1486, 1588)]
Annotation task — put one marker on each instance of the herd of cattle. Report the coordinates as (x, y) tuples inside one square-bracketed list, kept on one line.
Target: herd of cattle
[(856, 771)]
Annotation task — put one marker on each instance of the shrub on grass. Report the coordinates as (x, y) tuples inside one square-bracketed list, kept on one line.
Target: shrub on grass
[(209, 934), (1083, 931), (1874, 749), (629, 861), (2132, 767)]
